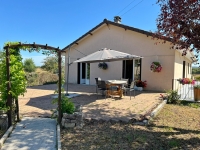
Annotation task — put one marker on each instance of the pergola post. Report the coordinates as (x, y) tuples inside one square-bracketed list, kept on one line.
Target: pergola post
[(9, 98), (59, 87), (17, 109)]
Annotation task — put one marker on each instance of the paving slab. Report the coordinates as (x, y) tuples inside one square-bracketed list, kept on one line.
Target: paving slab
[(33, 134)]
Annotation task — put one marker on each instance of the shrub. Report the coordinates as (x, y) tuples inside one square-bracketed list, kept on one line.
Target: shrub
[(172, 97), (197, 78), (41, 78), (67, 106), (3, 106), (29, 65)]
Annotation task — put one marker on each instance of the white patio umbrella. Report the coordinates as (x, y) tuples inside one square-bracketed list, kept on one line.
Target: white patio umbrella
[(106, 55)]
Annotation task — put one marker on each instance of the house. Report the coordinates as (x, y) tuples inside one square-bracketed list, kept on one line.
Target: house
[(116, 36)]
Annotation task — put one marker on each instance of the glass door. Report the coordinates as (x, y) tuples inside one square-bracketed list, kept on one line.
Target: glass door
[(84, 73), (137, 69)]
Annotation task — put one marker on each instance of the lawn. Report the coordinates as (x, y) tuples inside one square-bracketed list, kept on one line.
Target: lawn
[(175, 127)]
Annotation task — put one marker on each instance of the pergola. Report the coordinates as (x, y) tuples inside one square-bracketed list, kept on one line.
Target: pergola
[(9, 98)]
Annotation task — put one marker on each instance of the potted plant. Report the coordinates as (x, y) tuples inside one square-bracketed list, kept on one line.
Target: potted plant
[(156, 67), (103, 66), (186, 81), (141, 84), (197, 92)]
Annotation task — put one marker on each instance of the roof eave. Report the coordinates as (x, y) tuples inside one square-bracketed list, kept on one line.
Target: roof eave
[(84, 35), (105, 21)]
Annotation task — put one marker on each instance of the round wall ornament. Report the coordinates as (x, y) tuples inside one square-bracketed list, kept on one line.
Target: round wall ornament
[(156, 67)]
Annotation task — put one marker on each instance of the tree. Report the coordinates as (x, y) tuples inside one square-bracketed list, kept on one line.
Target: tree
[(50, 64), (180, 21), (29, 65), (1, 57), (1, 54)]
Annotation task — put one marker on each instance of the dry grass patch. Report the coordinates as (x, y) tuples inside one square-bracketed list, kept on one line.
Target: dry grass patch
[(176, 127)]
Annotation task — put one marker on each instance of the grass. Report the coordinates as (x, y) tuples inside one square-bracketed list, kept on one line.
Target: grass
[(186, 103), (175, 127)]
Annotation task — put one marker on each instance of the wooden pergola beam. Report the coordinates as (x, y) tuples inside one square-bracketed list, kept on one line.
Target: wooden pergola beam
[(34, 46)]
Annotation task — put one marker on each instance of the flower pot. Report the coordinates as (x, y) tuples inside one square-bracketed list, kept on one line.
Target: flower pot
[(135, 88), (140, 88), (196, 94)]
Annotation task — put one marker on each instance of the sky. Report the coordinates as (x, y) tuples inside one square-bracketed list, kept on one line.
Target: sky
[(60, 22)]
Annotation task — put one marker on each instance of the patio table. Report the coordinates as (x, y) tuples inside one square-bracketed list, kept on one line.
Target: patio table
[(114, 83)]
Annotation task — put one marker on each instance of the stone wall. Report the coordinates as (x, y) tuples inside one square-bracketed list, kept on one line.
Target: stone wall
[(73, 120), (3, 121)]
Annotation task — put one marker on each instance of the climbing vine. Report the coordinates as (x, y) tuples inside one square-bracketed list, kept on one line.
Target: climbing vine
[(17, 73), (17, 80), (17, 76)]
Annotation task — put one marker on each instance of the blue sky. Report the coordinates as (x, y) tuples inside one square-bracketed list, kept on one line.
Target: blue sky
[(60, 22)]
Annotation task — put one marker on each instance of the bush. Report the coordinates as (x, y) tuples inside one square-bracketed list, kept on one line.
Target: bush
[(50, 64), (31, 78), (197, 78), (172, 97), (3, 105), (41, 78), (67, 106), (29, 65)]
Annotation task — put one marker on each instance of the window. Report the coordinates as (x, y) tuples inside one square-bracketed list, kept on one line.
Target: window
[(183, 69)]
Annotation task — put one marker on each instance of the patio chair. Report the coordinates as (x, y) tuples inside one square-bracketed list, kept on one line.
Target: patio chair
[(130, 89), (125, 86), (102, 87), (98, 83)]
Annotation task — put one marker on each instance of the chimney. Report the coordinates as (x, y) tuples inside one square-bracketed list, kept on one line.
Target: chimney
[(117, 19)]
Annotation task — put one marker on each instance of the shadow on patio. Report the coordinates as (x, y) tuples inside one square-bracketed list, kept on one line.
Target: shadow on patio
[(37, 101)]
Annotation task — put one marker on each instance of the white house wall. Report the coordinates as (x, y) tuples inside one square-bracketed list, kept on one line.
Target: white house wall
[(178, 71), (119, 39)]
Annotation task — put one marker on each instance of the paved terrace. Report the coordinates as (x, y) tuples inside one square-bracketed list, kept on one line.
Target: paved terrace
[(37, 102)]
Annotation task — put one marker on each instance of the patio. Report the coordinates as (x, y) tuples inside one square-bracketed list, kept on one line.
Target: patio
[(37, 103)]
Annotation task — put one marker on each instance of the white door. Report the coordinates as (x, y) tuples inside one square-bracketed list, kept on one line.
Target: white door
[(85, 73)]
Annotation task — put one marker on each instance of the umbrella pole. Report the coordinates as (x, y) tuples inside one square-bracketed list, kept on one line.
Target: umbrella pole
[(67, 94), (133, 76)]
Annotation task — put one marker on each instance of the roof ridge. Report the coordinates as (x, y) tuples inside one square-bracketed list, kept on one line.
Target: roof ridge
[(105, 21)]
